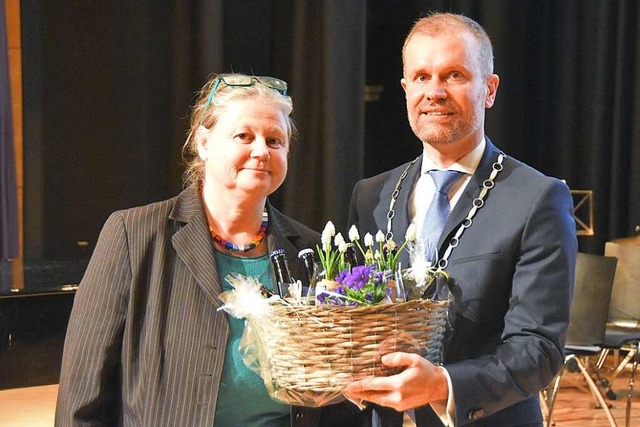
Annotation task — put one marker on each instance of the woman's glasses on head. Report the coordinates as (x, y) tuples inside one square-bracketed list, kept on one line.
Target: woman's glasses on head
[(239, 80)]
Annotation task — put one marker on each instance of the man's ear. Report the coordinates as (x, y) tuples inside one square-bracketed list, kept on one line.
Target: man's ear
[(493, 81)]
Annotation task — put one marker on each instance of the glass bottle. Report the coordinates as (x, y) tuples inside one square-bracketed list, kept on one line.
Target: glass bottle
[(281, 270)]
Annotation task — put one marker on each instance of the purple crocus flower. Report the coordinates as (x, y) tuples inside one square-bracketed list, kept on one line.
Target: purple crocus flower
[(360, 275), (341, 276)]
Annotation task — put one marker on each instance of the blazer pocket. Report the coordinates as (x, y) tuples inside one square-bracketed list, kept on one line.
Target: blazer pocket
[(480, 257), (479, 282)]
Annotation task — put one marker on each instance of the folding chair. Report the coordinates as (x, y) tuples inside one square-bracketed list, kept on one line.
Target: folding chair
[(623, 327), (587, 322)]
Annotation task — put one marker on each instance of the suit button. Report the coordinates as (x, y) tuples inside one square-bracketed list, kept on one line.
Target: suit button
[(475, 414), (299, 416)]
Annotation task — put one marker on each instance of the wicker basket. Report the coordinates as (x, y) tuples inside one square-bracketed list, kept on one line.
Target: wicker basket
[(317, 350)]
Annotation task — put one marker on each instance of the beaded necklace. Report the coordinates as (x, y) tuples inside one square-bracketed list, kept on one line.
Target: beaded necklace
[(243, 248)]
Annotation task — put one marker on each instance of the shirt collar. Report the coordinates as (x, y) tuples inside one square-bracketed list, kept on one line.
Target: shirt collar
[(467, 164)]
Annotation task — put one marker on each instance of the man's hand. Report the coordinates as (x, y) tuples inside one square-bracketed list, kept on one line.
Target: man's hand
[(420, 382)]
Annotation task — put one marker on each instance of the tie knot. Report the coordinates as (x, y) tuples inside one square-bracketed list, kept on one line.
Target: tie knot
[(444, 179)]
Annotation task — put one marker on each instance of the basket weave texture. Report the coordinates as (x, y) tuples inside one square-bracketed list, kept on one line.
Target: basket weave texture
[(318, 349)]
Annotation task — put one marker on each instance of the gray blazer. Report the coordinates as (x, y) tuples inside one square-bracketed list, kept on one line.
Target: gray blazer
[(145, 343), (513, 278)]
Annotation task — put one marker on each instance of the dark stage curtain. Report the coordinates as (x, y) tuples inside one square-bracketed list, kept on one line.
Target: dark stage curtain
[(570, 101), (8, 190), (329, 80)]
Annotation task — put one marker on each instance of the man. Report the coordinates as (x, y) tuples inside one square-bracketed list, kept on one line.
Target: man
[(512, 266)]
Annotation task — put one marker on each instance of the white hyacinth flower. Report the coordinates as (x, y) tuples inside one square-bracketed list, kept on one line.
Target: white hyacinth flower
[(380, 237), (354, 234), (331, 229), (342, 247), (368, 240), (326, 242), (338, 240), (410, 235), (328, 232)]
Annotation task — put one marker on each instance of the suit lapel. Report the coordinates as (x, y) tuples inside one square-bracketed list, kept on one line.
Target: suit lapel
[(192, 243), (400, 221)]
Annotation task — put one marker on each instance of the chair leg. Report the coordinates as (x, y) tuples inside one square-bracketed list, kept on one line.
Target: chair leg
[(551, 398), (622, 364), (544, 407), (596, 391), (602, 358), (601, 381), (636, 359)]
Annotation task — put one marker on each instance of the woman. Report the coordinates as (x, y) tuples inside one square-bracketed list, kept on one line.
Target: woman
[(146, 345)]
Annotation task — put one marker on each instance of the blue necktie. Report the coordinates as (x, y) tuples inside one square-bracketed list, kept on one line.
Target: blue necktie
[(438, 212)]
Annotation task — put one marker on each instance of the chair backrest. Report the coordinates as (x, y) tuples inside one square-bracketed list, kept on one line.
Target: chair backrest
[(591, 297), (625, 296)]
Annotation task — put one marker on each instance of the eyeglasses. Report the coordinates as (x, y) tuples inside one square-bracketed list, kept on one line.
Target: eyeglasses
[(238, 80)]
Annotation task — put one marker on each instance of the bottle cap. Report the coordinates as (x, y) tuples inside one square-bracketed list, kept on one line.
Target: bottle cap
[(278, 252), (304, 252)]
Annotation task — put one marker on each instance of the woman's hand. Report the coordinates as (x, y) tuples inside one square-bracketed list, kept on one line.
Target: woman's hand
[(421, 382)]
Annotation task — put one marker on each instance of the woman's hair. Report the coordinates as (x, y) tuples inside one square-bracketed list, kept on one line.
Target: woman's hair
[(209, 107), (448, 23)]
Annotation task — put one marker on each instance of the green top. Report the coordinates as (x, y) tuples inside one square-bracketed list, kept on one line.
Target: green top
[(243, 399)]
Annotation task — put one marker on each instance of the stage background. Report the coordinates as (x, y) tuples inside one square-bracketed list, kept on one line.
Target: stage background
[(107, 86)]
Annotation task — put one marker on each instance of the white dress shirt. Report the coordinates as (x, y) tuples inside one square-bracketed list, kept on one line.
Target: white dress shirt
[(425, 188)]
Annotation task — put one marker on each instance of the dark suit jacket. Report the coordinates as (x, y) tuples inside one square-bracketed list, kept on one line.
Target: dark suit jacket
[(512, 281), (145, 343)]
